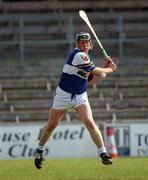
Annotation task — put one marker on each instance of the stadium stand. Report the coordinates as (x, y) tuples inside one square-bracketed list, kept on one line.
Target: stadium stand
[(43, 21), (26, 92), (66, 5)]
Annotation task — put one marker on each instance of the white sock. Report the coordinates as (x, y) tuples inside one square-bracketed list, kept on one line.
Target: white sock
[(102, 150), (41, 147)]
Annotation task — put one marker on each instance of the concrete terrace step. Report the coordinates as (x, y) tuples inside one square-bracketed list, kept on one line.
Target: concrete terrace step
[(101, 115), (27, 95), (29, 84), (121, 93)]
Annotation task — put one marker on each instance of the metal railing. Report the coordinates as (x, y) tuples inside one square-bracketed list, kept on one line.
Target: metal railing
[(14, 29)]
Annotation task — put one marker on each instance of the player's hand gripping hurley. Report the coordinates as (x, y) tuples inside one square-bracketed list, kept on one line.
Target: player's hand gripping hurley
[(83, 15)]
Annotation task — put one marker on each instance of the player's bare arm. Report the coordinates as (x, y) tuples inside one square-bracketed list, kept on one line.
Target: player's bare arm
[(98, 70), (106, 63)]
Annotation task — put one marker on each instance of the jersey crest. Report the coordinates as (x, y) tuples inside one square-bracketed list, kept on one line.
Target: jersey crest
[(84, 57)]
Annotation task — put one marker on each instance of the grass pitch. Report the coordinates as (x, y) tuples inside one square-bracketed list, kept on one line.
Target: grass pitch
[(75, 169)]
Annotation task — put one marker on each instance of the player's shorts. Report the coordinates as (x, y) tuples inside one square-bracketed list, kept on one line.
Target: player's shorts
[(66, 101)]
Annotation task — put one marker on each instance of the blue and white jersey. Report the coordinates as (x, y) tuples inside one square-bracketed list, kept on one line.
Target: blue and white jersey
[(76, 72)]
